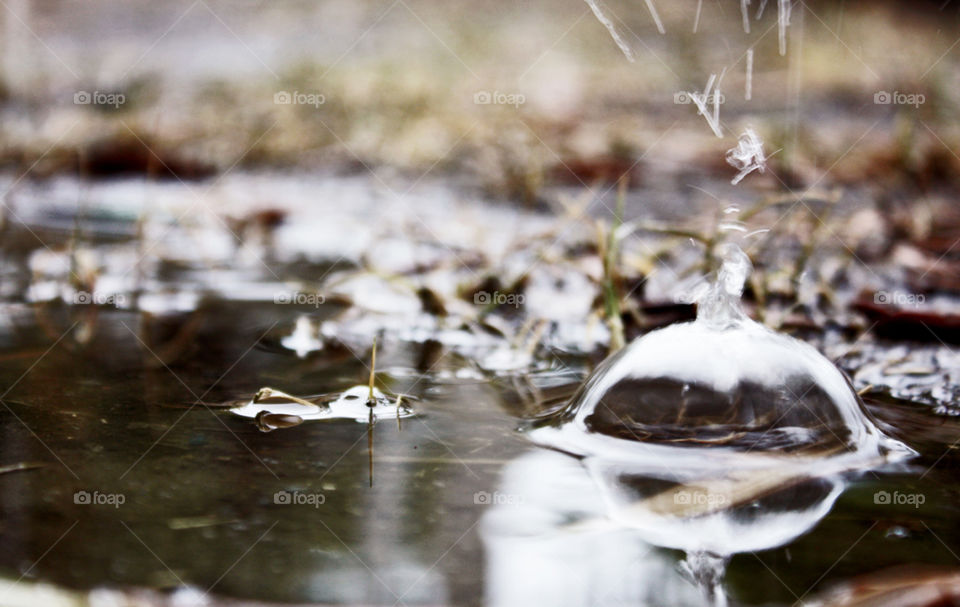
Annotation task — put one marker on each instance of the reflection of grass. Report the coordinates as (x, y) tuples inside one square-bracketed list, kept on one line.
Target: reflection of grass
[(371, 399)]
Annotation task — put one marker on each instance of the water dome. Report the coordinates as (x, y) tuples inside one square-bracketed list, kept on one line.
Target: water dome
[(726, 381), (719, 436)]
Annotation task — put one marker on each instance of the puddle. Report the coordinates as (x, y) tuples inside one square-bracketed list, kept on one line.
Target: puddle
[(131, 397)]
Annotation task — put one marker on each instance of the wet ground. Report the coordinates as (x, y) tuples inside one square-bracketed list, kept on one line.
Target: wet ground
[(120, 400)]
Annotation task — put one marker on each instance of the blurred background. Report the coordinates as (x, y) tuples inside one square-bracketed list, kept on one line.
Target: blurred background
[(393, 85)]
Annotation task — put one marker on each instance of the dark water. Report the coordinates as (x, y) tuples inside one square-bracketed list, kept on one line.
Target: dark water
[(199, 483)]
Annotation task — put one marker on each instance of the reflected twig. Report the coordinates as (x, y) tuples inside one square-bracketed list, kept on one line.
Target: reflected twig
[(264, 394)]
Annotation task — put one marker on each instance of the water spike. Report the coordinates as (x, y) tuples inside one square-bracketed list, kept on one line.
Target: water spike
[(693, 429), (720, 307)]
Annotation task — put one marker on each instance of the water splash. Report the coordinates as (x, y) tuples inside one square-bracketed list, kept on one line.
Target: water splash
[(719, 436), (720, 307), (702, 100), (747, 156)]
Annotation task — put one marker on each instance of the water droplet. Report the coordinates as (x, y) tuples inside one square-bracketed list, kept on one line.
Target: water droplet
[(720, 307)]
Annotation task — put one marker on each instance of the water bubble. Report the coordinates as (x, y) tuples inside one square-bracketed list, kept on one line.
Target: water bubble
[(719, 436)]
